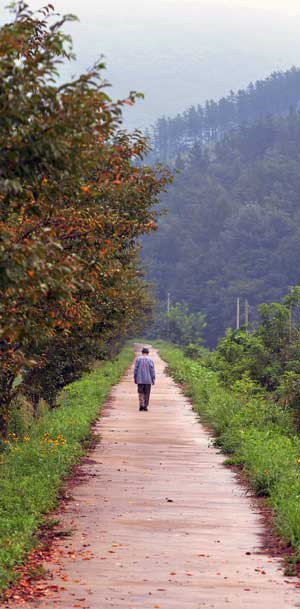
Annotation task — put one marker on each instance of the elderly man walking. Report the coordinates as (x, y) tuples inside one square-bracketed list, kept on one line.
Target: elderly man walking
[(144, 377)]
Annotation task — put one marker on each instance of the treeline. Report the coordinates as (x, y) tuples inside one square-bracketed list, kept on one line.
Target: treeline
[(232, 228), (73, 202), (266, 358), (205, 124), (247, 391)]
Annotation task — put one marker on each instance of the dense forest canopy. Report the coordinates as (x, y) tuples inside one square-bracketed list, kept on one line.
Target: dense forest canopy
[(208, 123), (233, 224)]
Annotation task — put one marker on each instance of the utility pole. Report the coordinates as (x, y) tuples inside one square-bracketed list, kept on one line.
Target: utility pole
[(290, 313), (237, 313), (246, 315), (168, 313)]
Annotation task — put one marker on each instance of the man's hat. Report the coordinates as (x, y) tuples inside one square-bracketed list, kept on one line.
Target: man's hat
[(145, 350)]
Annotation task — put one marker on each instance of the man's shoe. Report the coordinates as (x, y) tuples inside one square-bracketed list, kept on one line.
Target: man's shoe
[(146, 408), (141, 408)]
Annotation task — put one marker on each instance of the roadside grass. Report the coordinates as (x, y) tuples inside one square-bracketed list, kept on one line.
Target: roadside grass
[(258, 435), (33, 466)]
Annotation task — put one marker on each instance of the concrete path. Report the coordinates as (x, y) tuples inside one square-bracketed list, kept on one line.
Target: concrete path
[(158, 521)]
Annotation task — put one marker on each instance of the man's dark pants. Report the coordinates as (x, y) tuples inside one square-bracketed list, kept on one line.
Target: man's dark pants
[(144, 394)]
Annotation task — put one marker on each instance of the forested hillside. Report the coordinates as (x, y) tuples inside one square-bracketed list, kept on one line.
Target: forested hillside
[(208, 123), (233, 224)]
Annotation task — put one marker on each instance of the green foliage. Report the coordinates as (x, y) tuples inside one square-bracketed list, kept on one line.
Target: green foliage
[(195, 351), (75, 197), (259, 434), (269, 355), (233, 222), (179, 325), (22, 415), (239, 354), (289, 390), (33, 465)]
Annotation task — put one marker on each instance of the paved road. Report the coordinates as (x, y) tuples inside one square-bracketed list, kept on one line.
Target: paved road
[(159, 521)]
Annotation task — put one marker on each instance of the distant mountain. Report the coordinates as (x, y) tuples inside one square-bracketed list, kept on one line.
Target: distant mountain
[(233, 222), (207, 123)]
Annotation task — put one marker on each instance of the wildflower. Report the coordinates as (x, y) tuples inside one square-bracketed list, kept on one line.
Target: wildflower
[(26, 438), (85, 189)]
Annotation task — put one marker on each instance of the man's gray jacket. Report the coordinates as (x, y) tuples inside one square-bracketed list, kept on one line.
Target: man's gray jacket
[(144, 371)]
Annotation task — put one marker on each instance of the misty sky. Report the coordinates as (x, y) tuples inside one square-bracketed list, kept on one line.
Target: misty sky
[(181, 52)]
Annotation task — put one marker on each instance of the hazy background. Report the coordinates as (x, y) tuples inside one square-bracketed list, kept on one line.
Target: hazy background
[(181, 52)]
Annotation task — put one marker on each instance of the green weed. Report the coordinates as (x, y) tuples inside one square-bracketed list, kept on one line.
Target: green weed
[(257, 433), (32, 467)]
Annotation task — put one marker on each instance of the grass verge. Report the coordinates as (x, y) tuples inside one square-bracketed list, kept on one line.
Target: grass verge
[(33, 467), (258, 434)]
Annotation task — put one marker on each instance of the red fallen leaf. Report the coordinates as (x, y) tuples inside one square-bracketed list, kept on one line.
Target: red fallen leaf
[(173, 573), (80, 599)]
